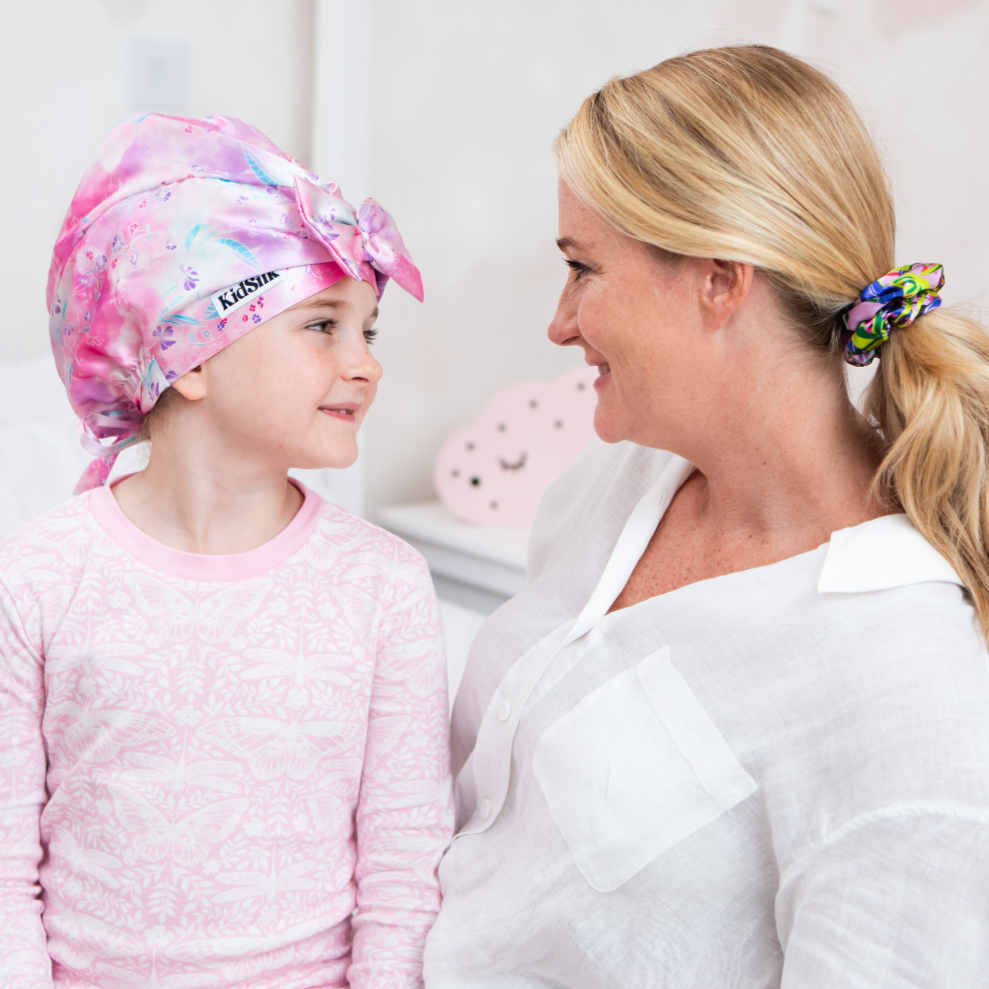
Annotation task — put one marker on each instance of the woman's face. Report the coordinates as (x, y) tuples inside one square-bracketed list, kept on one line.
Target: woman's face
[(294, 391), (640, 320)]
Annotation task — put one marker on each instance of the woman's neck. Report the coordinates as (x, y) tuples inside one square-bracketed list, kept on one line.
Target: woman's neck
[(799, 457), (200, 496), (777, 473)]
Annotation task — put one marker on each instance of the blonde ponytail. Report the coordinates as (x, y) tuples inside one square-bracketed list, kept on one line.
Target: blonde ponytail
[(930, 401), (750, 154)]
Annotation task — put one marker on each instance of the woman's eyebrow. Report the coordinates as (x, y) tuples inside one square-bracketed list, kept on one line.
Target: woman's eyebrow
[(568, 243)]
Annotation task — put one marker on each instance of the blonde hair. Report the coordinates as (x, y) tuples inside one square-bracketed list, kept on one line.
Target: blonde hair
[(749, 154)]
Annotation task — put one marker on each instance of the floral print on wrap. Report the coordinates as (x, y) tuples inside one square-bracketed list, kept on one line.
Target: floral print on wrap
[(172, 212)]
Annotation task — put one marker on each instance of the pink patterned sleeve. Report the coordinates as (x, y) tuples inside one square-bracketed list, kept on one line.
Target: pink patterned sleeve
[(24, 961), (405, 813)]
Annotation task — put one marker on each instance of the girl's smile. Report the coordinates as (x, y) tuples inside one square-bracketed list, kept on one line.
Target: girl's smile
[(343, 410)]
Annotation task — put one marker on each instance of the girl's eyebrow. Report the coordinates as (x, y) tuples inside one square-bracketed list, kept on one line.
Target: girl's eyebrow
[(321, 304), (328, 304)]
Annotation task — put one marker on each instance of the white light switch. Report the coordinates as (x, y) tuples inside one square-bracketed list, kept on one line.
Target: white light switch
[(157, 74)]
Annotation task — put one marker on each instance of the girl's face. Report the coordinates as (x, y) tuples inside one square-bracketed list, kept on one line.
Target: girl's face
[(638, 320), (293, 392)]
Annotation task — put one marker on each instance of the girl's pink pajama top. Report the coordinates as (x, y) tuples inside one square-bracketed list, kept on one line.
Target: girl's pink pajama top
[(218, 770)]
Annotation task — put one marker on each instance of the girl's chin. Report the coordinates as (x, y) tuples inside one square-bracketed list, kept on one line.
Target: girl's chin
[(340, 460), (328, 452)]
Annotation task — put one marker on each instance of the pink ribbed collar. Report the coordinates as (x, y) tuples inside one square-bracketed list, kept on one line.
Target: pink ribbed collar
[(197, 566)]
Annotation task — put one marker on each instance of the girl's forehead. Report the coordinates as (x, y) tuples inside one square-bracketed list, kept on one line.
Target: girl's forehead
[(342, 296)]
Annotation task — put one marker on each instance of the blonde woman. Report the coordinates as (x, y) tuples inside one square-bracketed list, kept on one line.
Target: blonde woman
[(735, 733)]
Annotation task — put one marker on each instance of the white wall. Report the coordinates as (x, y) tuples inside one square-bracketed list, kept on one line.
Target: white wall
[(63, 76), (465, 99)]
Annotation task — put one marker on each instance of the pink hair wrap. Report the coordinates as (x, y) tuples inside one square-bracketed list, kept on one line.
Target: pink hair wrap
[(183, 236)]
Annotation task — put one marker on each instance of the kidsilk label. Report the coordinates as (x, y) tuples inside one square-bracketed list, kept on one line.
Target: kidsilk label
[(229, 300)]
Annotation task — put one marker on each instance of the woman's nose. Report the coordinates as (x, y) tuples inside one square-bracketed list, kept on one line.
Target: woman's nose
[(563, 329)]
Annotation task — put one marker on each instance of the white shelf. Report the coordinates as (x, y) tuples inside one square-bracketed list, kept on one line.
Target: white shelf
[(478, 566)]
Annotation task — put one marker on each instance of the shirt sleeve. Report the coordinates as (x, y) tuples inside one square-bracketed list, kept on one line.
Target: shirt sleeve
[(405, 812), (900, 902), (24, 961)]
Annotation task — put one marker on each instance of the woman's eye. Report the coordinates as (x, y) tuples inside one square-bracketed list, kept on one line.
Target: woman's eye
[(577, 268), (371, 335)]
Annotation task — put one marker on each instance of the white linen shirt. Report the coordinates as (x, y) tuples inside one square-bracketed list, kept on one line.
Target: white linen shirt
[(772, 778)]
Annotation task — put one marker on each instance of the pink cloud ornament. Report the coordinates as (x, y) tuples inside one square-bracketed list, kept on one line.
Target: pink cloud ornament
[(495, 470)]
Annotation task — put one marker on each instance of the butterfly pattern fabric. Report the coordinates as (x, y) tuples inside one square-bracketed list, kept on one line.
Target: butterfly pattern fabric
[(207, 763)]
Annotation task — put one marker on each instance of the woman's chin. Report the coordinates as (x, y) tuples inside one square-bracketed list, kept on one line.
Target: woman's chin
[(608, 427)]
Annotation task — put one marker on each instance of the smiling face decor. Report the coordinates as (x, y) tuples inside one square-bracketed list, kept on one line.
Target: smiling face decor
[(495, 470)]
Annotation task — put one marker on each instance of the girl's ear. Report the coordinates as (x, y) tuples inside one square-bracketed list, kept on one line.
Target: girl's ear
[(192, 384)]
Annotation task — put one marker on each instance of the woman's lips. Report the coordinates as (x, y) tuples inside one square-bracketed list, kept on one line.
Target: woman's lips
[(604, 375), (342, 410)]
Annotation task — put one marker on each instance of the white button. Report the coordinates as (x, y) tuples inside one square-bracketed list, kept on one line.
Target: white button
[(504, 710), (485, 809)]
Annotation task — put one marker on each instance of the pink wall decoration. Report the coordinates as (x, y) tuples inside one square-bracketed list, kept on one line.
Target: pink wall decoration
[(495, 470)]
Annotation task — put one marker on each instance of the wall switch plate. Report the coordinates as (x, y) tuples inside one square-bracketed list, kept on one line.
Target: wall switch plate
[(157, 74)]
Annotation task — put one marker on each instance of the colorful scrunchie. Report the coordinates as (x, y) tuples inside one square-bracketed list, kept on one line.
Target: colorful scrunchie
[(893, 301)]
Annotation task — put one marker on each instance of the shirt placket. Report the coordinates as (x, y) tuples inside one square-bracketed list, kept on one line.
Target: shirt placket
[(491, 760)]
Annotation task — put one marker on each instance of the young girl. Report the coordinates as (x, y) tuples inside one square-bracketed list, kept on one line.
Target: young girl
[(222, 699)]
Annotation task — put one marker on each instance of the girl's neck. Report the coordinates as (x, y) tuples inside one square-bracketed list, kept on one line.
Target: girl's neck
[(201, 497)]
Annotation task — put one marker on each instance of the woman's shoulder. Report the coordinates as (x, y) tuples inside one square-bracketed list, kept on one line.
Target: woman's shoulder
[(899, 603), (877, 629), (915, 671), (882, 705)]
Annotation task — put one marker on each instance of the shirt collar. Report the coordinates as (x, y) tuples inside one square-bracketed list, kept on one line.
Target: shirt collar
[(880, 554)]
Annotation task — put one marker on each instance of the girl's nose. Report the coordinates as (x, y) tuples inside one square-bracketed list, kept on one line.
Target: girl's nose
[(362, 366)]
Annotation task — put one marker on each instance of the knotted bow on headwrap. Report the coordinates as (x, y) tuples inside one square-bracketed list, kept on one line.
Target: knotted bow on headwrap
[(183, 236), (893, 301)]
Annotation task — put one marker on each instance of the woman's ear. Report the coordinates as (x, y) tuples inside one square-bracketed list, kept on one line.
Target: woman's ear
[(192, 384), (725, 286)]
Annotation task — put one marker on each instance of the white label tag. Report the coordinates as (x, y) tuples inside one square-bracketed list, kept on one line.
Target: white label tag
[(229, 300)]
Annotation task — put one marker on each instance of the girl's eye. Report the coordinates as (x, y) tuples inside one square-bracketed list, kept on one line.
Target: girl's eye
[(576, 267), (371, 335), (323, 325)]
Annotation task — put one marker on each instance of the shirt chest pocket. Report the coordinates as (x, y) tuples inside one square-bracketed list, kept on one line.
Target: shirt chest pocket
[(634, 768)]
